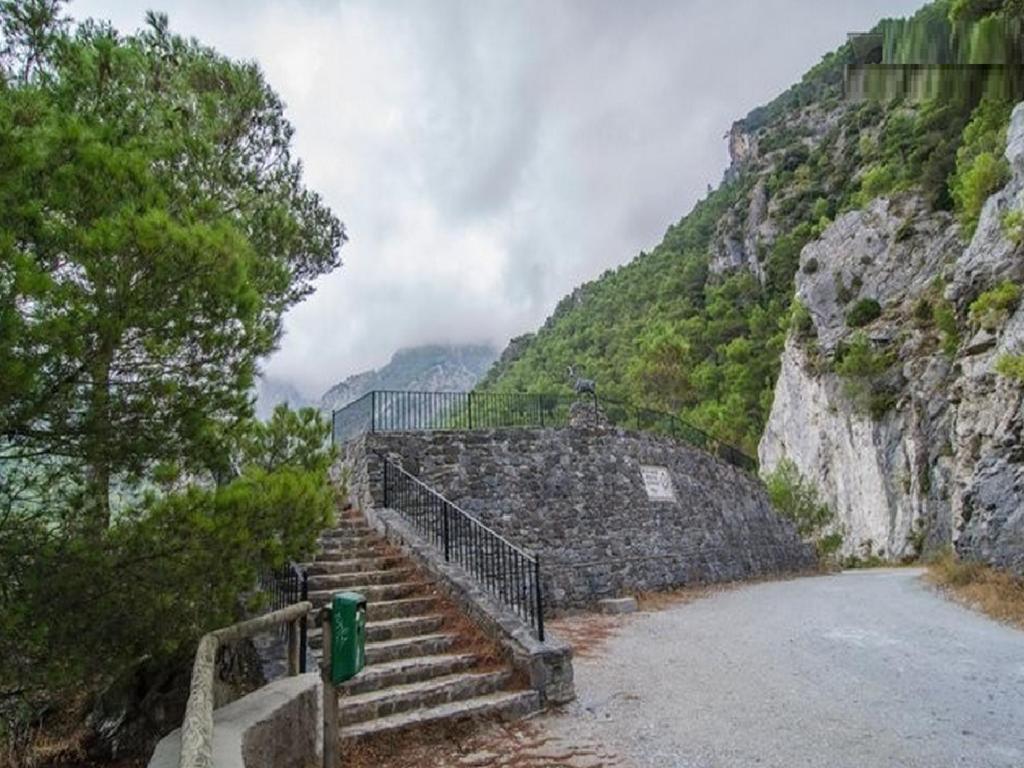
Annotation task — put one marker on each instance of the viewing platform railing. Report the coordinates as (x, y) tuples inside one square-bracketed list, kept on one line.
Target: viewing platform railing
[(392, 411)]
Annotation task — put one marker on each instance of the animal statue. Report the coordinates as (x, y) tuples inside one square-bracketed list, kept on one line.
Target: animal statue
[(581, 385)]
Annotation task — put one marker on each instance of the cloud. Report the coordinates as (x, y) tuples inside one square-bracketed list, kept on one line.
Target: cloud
[(488, 156)]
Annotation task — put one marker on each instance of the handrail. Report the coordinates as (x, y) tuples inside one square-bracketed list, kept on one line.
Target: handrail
[(400, 411), (197, 727), (457, 508), (508, 572)]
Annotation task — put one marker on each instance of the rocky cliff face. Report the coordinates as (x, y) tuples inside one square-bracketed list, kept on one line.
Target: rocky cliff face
[(936, 456)]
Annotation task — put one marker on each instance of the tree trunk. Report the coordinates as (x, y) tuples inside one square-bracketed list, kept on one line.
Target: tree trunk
[(98, 440)]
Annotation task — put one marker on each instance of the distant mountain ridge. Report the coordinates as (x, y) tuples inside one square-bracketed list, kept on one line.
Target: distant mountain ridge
[(428, 368)]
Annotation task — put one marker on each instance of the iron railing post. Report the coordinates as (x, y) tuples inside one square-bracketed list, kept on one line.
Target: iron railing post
[(373, 411), (447, 538), (470, 409), (303, 627), (538, 597)]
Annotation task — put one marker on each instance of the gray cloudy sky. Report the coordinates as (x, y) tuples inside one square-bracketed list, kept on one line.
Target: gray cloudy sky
[(488, 156)]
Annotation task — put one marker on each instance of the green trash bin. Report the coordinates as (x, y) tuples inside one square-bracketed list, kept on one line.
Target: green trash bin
[(348, 636)]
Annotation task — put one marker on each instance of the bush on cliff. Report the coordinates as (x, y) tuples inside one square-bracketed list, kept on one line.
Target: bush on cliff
[(796, 498)]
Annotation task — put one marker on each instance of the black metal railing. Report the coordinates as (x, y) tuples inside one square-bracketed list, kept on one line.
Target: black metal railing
[(506, 571), (283, 587), (391, 411)]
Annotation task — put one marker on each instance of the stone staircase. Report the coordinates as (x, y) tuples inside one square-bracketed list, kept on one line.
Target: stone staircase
[(425, 662)]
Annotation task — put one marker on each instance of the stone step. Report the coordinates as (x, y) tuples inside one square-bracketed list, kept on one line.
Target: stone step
[(372, 592), (406, 607), (353, 566), (336, 581), (405, 671), (349, 537), (390, 629), (408, 647), (506, 704), (428, 693), (325, 555), (362, 533)]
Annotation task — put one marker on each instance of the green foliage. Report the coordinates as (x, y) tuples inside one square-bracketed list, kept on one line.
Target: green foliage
[(863, 312), (800, 320), (863, 370), (293, 439), (1011, 366), (981, 169), (180, 561), (153, 230), (992, 308), (1013, 226), (945, 320), (796, 499)]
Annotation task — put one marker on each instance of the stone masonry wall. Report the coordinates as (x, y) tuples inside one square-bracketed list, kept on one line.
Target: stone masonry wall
[(576, 496)]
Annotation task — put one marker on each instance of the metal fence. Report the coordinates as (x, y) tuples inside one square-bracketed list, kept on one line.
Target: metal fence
[(284, 587), (391, 411), (507, 572)]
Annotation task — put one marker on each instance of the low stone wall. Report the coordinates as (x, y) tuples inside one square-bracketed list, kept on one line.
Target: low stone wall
[(578, 498), (277, 726)]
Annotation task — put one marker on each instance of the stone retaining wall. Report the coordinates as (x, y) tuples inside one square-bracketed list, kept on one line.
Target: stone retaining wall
[(577, 497)]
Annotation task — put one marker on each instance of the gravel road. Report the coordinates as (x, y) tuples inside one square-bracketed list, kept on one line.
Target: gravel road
[(861, 670)]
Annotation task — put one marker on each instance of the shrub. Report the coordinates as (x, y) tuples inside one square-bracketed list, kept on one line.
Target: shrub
[(985, 175), (796, 499), (863, 312), (800, 319), (992, 308), (945, 321), (877, 180), (923, 312), (1011, 366), (1013, 226), (981, 169), (862, 367)]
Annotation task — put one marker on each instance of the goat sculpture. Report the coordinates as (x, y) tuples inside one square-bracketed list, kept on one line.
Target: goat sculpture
[(581, 385)]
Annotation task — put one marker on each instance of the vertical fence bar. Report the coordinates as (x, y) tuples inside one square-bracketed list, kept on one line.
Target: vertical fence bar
[(304, 626), (447, 533), (539, 605)]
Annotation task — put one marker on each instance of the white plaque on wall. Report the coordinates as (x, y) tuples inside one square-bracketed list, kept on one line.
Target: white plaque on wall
[(658, 483)]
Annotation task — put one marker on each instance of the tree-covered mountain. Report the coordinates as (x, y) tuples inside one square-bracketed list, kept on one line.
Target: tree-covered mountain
[(698, 325), (428, 368), (870, 252)]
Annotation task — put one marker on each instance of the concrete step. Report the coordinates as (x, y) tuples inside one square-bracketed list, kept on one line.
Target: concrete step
[(390, 629), (405, 607), (422, 695), (372, 592), (338, 581), (354, 565), (506, 704), (408, 647), (406, 671)]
